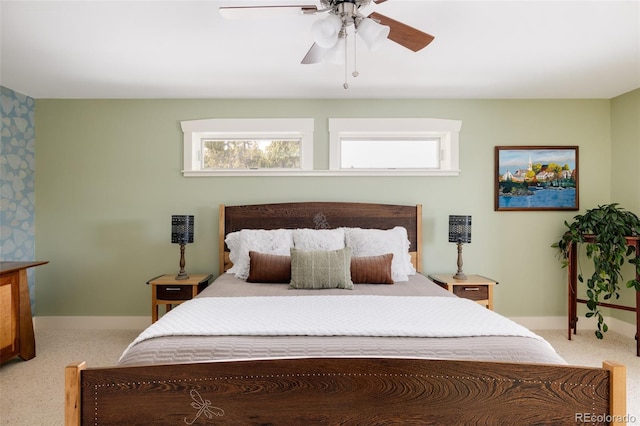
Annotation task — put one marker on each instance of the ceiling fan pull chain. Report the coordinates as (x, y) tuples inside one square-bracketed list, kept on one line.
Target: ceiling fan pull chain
[(346, 65), (355, 72)]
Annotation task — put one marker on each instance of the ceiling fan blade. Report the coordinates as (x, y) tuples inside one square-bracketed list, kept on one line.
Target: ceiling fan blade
[(403, 34), (253, 12), (314, 55), (379, 1)]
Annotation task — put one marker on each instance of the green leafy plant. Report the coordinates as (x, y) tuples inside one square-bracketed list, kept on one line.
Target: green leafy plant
[(609, 250)]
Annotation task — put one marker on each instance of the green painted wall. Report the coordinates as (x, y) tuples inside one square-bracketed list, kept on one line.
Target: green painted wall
[(625, 147), (108, 180), (625, 172)]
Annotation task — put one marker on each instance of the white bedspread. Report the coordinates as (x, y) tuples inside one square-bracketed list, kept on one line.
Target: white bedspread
[(333, 316)]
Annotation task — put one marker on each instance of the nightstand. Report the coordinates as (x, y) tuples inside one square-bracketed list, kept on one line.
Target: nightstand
[(166, 290), (475, 287)]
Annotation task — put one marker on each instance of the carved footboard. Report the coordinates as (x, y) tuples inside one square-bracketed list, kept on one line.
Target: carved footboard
[(345, 391)]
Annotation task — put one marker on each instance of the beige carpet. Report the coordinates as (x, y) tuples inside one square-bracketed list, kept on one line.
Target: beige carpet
[(32, 392)]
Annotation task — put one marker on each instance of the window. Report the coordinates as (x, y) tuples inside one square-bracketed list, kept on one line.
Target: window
[(357, 147), (247, 146), (388, 153), (402, 146)]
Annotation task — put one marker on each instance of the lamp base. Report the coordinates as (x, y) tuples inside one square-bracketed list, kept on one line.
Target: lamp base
[(182, 276), (460, 275)]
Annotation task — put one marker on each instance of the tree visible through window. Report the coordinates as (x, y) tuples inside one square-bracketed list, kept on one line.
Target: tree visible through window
[(248, 146), (251, 154)]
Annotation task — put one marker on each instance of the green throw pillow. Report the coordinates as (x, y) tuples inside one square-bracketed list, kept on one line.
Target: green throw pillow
[(321, 269)]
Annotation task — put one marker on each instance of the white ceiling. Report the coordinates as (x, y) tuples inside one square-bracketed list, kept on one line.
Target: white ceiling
[(185, 49)]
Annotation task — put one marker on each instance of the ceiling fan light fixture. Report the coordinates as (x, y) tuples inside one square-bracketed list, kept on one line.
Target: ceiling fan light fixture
[(372, 33), (325, 32), (336, 54)]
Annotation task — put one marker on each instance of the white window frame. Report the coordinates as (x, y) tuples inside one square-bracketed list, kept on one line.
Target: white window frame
[(445, 130), (250, 128)]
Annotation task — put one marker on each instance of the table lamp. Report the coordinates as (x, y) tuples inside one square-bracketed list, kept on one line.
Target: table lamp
[(181, 233), (459, 232)]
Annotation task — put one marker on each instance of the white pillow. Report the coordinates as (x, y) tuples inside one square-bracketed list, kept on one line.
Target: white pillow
[(376, 242), (233, 243), (276, 241), (318, 239)]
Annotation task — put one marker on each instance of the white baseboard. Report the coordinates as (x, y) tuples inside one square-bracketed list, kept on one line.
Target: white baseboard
[(541, 323), (558, 323), (91, 323), (140, 323)]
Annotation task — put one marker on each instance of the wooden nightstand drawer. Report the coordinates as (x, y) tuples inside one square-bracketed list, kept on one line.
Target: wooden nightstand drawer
[(167, 290), (475, 287), (472, 292), (174, 292)]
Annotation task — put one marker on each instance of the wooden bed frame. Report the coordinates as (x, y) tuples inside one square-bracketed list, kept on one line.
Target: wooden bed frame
[(332, 391), (342, 390)]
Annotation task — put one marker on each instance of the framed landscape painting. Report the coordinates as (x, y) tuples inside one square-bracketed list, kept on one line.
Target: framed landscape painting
[(536, 178)]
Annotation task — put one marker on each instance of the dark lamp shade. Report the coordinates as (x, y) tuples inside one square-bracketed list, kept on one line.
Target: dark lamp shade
[(181, 229), (459, 229)]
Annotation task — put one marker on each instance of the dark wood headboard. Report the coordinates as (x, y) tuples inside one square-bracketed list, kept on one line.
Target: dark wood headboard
[(321, 215)]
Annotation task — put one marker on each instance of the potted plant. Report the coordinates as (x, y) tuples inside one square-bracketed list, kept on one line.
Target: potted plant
[(608, 225)]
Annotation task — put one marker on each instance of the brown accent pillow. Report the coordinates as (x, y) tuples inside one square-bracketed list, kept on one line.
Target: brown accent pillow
[(269, 268), (372, 269)]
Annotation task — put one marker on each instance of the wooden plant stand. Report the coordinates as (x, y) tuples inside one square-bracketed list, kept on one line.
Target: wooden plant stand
[(573, 291)]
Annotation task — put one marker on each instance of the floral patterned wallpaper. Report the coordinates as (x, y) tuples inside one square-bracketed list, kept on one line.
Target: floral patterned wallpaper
[(17, 180)]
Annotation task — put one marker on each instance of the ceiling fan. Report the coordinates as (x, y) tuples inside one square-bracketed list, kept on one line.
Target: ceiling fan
[(330, 33)]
